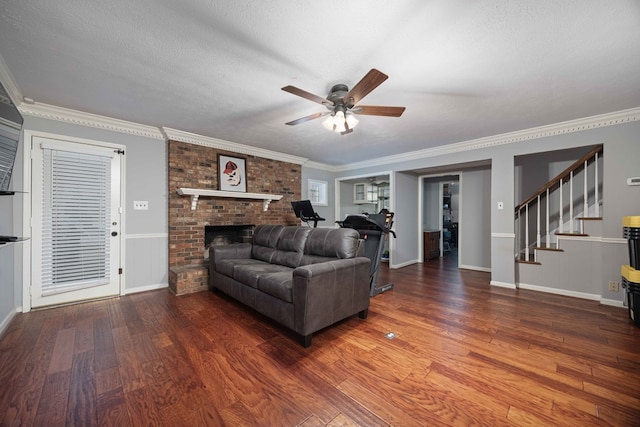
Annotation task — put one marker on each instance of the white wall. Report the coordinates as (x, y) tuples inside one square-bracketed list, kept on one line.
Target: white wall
[(405, 248), (474, 230)]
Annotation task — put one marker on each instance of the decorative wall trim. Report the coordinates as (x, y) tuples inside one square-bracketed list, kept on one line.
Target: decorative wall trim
[(62, 114), (565, 292), (93, 120), (5, 322), (321, 166), (139, 289), (502, 284), (220, 144), (147, 236), (475, 268), (403, 264), (614, 240), (612, 302), (504, 235), (571, 126)]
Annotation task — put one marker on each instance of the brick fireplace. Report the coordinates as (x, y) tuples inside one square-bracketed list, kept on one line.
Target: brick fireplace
[(195, 166)]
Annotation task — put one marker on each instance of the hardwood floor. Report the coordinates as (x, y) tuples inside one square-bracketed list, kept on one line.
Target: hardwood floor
[(464, 354)]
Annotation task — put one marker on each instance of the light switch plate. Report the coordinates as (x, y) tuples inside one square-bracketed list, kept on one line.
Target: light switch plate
[(139, 205)]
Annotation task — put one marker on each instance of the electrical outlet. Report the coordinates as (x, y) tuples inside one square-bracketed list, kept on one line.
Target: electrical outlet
[(614, 286), (140, 205)]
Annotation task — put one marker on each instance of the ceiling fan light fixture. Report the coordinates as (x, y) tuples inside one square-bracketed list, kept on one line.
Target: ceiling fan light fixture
[(340, 122), (351, 121)]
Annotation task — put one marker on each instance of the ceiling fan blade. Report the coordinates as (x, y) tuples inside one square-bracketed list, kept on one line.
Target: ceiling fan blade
[(369, 82), (378, 110), (307, 95), (307, 118)]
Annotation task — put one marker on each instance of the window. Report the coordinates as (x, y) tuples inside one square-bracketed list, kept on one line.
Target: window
[(317, 192)]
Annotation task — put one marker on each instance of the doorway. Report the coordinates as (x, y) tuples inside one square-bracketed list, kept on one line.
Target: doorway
[(441, 211), (366, 194), (76, 199)]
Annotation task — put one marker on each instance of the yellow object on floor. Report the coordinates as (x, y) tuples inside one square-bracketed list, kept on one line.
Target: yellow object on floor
[(631, 274), (631, 221)]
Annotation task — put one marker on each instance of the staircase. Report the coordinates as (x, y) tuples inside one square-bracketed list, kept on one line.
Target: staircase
[(559, 246), (567, 206)]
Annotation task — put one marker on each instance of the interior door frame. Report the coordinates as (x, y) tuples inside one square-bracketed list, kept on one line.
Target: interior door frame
[(421, 179), (28, 136)]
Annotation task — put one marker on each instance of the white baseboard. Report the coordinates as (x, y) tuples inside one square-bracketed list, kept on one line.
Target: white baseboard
[(565, 292), (5, 322), (145, 288), (475, 268), (612, 302), (404, 264), (502, 284)]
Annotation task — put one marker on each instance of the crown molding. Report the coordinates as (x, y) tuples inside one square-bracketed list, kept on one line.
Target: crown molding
[(101, 122), (9, 83), (220, 144), (322, 166), (68, 115), (571, 126)]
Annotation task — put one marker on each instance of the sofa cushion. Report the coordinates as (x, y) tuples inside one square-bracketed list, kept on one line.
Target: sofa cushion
[(324, 244), (278, 285), (249, 274), (264, 241), (226, 266), (290, 246)]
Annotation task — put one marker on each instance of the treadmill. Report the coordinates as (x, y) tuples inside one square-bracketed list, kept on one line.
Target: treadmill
[(374, 230), (304, 210)]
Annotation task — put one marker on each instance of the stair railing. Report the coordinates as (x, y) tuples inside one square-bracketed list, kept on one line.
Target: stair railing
[(553, 190)]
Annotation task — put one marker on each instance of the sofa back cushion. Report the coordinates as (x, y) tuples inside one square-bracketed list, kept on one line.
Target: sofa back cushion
[(264, 241), (290, 246), (324, 244)]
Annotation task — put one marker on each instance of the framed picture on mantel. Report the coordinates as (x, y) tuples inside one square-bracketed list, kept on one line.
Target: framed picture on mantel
[(232, 173)]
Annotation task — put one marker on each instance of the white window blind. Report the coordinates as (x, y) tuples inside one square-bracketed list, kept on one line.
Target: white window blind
[(76, 220)]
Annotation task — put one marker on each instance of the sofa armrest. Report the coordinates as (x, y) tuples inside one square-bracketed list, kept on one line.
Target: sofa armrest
[(327, 292), (233, 251)]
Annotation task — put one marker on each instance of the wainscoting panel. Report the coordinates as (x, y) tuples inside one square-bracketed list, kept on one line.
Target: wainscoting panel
[(147, 262)]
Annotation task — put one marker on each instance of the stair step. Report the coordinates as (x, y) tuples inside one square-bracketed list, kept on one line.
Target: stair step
[(521, 261), (590, 218), (549, 249), (572, 234)]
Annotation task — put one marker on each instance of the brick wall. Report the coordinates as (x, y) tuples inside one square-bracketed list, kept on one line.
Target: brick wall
[(195, 166)]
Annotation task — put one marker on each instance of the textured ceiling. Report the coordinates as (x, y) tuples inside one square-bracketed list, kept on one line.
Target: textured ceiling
[(463, 69)]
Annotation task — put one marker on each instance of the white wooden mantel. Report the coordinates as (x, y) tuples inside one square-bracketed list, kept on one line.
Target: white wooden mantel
[(196, 193)]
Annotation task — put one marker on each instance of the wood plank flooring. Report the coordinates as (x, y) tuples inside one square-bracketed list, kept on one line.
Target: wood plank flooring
[(464, 354)]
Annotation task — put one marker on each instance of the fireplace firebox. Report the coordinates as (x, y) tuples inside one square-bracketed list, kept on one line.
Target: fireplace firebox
[(215, 235)]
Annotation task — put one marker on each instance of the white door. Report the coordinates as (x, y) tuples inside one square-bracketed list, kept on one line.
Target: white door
[(75, 222)]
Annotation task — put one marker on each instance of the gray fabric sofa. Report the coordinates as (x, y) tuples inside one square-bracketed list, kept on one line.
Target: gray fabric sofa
[(303, 278)]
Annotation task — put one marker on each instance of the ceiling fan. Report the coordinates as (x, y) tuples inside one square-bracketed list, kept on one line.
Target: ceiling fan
[(341, 103)]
